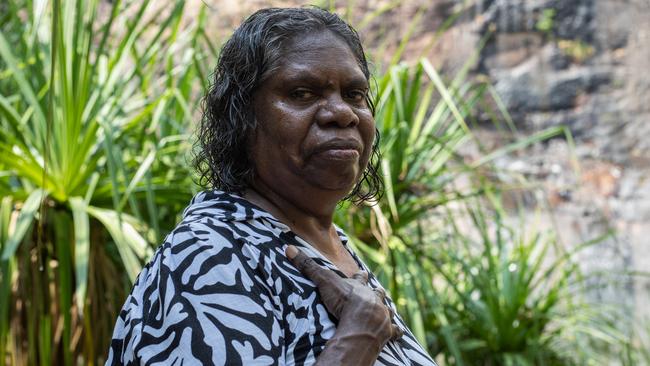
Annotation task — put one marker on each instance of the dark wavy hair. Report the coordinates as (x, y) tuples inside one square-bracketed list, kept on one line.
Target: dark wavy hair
[(246, 60)]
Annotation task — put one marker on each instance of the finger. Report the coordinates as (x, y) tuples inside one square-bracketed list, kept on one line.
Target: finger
[(396, 332), (308, 267), (361, 276), (381, 293)]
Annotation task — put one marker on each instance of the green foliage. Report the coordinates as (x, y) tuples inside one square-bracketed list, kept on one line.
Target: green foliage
[(546, 21), (512, 296), (94, 109), (577, 50), (637, 352), (474, 290)]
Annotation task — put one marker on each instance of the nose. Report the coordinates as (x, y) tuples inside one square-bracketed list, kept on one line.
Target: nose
[(334, 110)]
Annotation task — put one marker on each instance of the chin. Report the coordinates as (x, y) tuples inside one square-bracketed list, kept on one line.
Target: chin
[(342, 183), (335, 177), (342, 187)]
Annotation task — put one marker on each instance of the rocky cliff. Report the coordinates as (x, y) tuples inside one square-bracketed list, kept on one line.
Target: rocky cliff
[(583, 64)]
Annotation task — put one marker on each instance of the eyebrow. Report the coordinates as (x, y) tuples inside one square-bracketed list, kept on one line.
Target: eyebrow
[(294, 75), (303, 74)]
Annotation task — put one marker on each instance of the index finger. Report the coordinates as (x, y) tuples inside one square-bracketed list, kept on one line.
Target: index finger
[(308, 267)]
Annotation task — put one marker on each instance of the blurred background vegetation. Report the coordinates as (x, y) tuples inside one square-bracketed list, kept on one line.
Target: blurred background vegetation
[(98, 100)]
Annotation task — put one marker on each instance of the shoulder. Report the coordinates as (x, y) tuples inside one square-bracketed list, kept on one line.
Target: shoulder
[(204, 255), (206, 280)]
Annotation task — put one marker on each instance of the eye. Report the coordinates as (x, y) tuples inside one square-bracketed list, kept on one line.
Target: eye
[(302, 94), (357, 95)]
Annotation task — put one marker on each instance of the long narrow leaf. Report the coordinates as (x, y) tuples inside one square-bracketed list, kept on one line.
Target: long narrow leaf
[(131, 245), (25, 219), (82, 249)]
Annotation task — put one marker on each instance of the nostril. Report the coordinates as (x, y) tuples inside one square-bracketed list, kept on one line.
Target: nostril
[(337, 112)]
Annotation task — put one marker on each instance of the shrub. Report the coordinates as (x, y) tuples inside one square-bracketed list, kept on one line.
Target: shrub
[(94, 109)]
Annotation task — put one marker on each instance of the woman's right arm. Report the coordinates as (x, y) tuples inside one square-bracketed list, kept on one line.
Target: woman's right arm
[(200, 302), (364, 322)]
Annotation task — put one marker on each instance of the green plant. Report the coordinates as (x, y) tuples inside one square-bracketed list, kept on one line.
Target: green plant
[(93, 117), (546, 21), (513, 296), (637, 352), (461, 294), (579, 51), (94, 112)]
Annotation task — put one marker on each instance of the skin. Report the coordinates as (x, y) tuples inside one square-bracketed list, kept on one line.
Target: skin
[(313, 141), (315, 134), (365, 323)]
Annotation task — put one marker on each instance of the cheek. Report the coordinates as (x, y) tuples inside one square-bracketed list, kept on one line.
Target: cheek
[(367, 130), (275, 122), (292, 127)]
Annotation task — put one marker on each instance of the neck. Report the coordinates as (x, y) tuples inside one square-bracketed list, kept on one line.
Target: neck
[(310, 219)]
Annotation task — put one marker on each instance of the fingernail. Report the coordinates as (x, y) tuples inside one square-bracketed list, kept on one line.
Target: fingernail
[(291, 251)]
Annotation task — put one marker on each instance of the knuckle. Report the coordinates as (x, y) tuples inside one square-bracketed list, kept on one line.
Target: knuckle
[(305, 263), (338, 308), (397, 332), (345, 291), (379, 313)]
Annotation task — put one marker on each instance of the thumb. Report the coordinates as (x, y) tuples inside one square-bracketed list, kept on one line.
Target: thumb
[(308, 267)]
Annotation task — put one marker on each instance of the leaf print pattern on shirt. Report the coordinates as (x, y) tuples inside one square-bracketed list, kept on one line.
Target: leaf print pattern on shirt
[(220, 291)]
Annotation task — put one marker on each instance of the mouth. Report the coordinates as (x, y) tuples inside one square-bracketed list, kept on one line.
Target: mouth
[(339, 149)]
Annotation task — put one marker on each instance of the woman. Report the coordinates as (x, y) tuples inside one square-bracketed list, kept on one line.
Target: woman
[(256, 273)]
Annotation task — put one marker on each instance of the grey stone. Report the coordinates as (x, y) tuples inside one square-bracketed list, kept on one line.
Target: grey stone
[(532, 88)]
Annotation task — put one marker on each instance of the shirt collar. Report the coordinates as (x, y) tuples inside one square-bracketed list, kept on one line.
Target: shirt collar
[(227, 207)]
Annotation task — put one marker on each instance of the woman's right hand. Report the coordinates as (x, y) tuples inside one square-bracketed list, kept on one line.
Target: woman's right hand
[(365, 322)]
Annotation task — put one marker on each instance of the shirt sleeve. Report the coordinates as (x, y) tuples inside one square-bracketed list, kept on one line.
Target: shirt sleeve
[(201, 300)]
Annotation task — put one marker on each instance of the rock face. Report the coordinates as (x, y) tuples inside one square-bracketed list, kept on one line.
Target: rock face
[(582, 64), (579, 63)]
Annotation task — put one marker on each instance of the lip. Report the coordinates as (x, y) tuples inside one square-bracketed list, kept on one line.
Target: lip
[(339, 145), (340, 149)]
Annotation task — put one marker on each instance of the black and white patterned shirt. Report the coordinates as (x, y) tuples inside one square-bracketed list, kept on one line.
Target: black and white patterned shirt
[(220, 290)]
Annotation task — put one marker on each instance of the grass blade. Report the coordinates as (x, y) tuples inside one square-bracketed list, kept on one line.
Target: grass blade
[(82, 249), (23, 223), (131, 245)]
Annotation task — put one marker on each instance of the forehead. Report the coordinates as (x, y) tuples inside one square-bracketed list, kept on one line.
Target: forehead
[(315, 40), (318, 52)]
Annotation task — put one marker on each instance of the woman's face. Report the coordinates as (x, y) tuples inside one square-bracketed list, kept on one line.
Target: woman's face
[(314, 127)]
